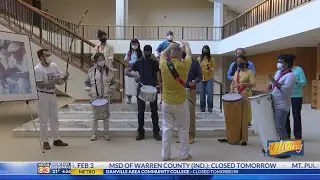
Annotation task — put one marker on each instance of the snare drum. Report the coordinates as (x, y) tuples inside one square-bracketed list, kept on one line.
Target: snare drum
[(232, 105), (148, 93), (100, 109)]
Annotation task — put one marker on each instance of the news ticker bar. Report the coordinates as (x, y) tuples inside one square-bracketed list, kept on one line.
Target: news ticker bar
[(158, 168)]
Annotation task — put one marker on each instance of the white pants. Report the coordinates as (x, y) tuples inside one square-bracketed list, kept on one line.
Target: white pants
[(175, 115), (47, 110), (105, 126)]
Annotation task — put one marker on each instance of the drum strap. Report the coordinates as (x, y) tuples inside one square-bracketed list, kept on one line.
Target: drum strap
[(174, 73), (278, 79), (95, 81)]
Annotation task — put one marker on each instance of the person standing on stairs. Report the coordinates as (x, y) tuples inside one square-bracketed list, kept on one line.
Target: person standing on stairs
[(132, 56), (106, 49), (149, 74), (100, 83), (47, 75)]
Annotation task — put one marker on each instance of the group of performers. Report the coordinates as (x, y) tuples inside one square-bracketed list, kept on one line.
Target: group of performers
[(178, 80)]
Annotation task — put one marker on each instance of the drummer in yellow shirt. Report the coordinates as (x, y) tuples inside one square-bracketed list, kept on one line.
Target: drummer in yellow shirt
[(175, 103)]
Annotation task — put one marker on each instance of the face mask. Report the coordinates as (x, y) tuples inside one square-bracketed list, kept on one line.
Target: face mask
[(170, 38), (280, 66), (242, 65), (103, 40), (48, 60), (134, 47), (101, 63)]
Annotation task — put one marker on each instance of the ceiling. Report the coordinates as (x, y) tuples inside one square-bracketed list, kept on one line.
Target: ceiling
[(239, 6), (305, 39)]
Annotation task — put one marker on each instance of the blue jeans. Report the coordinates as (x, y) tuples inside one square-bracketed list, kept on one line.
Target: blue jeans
[(280, 117), (206, 88)]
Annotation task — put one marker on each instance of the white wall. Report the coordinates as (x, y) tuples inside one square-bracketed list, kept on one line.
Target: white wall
[(77, 77), (291, 23)]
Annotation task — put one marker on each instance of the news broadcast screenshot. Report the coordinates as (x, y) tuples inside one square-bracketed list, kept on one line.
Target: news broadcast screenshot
[(159, 89)]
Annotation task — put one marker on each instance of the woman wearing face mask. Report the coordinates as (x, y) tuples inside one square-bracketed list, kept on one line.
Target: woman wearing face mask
[(281, 88), (100, 83), (207, 64), (243, 81), (106, 49), (132, 56)]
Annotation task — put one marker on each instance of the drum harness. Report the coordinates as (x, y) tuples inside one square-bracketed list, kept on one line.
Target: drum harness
[(177, 77), (95, 81)]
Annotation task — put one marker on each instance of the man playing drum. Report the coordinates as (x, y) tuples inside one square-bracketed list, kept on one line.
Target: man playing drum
[(148, 69), (100, 84)]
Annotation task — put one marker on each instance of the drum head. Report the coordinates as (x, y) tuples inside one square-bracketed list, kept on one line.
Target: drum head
[(232, 97), (100, 102), (259, 96), (148, 89)]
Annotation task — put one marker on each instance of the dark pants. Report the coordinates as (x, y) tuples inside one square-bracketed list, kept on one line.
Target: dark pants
[(296, 113), (154, 114)]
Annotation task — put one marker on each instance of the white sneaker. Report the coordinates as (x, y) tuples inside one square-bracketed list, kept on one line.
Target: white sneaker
[(106, 137), (93, 138)]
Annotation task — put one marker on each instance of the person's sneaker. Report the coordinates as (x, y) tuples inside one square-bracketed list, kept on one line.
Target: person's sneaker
[(140, 136), (166, 159), (129, 101), (93, 138), (178, 141), (191, 140), (243, 143), (106, 137), (202, 110), (59, 143), (249, 124), (187, 158), (46, 146), (157, 136), (210, 110)]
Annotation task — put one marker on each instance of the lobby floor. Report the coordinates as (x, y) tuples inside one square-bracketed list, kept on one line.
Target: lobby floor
[(128, 149)]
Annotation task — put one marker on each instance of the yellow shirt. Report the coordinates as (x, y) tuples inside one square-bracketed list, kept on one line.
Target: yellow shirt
[(207, 68), (172, 91), (245, 77)]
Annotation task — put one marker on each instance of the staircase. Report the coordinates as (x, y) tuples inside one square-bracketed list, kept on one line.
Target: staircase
[(55, 35), (75, 121)]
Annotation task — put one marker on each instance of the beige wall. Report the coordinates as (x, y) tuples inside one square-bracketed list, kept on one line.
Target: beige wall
[(141, 12), (171, 12), (229, 15), (99, 11)]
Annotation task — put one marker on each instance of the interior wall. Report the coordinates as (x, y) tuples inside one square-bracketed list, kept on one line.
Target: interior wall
[(100, 12), (229, 15), (168, 12), (266, 63)]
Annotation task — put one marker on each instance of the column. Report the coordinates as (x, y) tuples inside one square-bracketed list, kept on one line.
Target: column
[(218, 14), (318, 63), (121, 18)]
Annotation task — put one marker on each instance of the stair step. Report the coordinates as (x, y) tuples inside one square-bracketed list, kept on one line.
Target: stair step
[(118, 128), (128, 115)]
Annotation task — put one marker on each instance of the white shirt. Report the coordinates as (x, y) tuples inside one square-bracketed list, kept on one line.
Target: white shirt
[(21, 65), (46, 74), (282, 97)]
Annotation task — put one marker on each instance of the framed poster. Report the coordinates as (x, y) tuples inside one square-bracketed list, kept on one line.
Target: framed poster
[(17, 79)]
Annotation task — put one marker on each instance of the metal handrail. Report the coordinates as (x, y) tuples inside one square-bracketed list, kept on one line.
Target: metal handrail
[(264, 11)]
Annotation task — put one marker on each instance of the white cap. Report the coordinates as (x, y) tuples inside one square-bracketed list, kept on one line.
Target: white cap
[(14, 46)]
